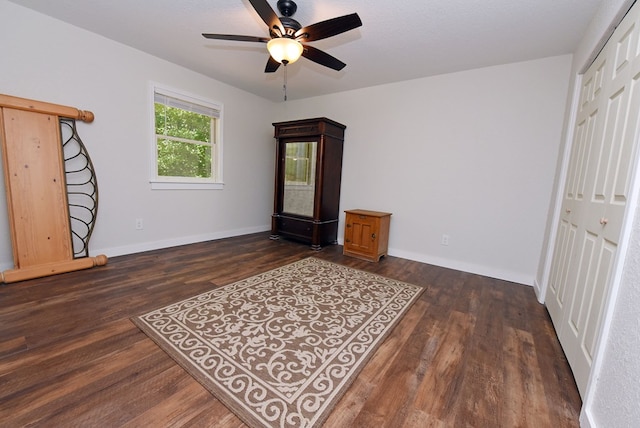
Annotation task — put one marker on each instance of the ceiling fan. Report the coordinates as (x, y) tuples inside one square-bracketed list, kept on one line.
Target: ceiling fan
[(287, 35)]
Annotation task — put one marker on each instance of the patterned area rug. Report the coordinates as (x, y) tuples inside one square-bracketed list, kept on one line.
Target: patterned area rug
[(279, 349)]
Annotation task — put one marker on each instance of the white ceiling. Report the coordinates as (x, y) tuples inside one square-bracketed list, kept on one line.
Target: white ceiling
[(399, 39)]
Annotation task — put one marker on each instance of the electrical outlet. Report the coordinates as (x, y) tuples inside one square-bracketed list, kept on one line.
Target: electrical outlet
[(445, 240), (139, 224)]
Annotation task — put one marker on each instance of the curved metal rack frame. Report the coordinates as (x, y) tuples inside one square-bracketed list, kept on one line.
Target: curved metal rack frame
[(82, 187)]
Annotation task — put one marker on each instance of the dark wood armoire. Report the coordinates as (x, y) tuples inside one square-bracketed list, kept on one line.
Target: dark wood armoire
[(308, 177)]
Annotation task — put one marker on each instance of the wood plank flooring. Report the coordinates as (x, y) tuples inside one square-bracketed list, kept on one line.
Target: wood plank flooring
[(472, 352)]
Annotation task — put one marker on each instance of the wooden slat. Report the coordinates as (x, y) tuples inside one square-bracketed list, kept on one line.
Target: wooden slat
[(36, 183), (51, 268), (473, 351), (44, 107)]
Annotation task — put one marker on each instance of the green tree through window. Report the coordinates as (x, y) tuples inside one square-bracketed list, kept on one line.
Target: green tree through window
[(185, 138)]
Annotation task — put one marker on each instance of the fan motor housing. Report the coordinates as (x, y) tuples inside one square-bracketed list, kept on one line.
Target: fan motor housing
[(290, 24)]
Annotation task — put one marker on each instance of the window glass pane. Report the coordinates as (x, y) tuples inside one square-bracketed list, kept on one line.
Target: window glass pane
[(174, 122), (298, 163), (180, 159)]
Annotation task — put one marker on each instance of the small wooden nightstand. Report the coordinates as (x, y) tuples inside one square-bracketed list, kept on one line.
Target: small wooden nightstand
[(366, 234)]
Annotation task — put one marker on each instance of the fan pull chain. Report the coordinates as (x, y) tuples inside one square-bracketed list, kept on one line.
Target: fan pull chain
[(284, 86)]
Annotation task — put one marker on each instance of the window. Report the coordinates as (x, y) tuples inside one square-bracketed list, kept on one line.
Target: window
[(186, 146), (300, 163)]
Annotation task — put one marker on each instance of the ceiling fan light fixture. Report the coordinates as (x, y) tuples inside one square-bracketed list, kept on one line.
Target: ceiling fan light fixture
[(284, 50)]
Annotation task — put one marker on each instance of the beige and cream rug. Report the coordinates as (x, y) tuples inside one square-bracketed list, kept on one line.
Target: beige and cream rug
[(280, 348)]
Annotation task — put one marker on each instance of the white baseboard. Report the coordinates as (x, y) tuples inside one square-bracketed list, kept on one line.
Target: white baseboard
[(192, 239), (538, 289), (465, 267), (174, 242)]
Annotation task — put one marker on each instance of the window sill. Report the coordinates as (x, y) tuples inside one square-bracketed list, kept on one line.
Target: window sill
[(170, 185)]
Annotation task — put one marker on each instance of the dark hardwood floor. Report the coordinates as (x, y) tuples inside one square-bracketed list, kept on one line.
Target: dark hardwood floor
[(473, 351)]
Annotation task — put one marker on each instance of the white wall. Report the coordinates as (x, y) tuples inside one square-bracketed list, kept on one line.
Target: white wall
[(45, 59), (471, 155)]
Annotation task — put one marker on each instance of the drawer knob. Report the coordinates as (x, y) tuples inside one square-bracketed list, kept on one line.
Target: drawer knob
[(348, 225), (373, 236)]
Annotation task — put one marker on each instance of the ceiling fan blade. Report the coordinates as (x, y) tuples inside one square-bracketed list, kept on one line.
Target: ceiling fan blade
[(268, 16), (272, 65), (328, 28), (322, 58), (235, 37)]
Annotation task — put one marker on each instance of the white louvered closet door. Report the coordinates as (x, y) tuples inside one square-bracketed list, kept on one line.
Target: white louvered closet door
[(596, 194)]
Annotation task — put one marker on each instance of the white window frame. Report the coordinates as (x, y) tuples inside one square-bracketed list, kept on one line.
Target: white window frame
[(171, 183)]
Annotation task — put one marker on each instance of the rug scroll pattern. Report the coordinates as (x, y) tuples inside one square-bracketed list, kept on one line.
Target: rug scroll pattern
[(280, 348)]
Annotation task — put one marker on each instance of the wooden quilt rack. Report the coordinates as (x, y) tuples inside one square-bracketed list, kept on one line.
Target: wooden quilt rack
[(36, 183)]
